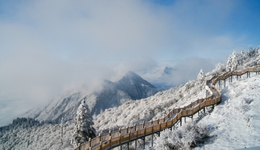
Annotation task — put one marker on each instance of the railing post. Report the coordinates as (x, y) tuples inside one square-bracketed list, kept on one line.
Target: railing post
[(120, 142), (135, 143), (110, 139), (144, 142), (144, 131), (152, 126), (89, 139), (152, 139), (159, 126), (120, 138)]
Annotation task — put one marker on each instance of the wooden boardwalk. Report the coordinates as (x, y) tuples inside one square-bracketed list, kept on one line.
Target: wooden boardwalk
[(133, 133)]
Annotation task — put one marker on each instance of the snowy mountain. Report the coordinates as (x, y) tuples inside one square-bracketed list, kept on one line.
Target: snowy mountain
[(135, 86), (112, 94), (234, 123)]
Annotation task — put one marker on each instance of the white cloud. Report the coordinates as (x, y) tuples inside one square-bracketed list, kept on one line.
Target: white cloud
[(179, 73)]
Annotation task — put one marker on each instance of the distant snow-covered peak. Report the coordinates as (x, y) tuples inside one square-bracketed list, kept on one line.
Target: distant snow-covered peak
[(110, 94)]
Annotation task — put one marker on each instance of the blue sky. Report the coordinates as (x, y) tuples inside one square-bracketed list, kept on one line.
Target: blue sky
[(52, 45)]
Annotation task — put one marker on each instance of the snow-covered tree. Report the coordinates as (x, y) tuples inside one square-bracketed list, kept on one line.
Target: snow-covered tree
[(220, 67), (201, 75), (252, 52), (83, 129), (243, 57), (232, 62)]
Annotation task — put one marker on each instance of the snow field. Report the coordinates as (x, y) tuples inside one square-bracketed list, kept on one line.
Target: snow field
[(236, 120)]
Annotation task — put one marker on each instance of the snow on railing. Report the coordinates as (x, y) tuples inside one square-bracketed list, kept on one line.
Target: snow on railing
[(116, 138)]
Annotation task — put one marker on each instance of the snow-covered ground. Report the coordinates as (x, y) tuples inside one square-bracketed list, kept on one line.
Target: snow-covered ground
[(233, 124), (236, 120)]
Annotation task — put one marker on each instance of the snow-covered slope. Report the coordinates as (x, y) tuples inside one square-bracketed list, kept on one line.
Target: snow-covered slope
[(22, 136), (112, 94), (153, 107), (236, 120)]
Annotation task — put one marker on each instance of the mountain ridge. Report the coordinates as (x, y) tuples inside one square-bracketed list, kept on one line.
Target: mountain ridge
[(129, 87)]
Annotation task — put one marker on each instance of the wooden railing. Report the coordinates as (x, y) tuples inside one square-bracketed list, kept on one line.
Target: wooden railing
[(122, 136)]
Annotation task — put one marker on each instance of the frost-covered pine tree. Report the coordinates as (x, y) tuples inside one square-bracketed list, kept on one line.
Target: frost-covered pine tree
[(229, 64), (242, 57), (232, 62), (83, 129), (243, 54), (201, 75)]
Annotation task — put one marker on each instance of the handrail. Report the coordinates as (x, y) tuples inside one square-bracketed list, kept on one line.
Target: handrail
[(116, 138)]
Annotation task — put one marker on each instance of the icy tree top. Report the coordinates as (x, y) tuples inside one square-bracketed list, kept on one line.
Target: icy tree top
[(83, 119), (201, 75)]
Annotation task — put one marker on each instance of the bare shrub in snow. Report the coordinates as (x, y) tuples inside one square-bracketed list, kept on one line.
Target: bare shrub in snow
[(247, 100)]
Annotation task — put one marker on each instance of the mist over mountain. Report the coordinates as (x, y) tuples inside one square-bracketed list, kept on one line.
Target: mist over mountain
[(112, 94)]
